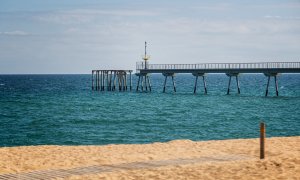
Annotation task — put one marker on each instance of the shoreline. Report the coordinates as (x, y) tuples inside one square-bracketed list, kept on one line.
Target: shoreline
[(235, 158)]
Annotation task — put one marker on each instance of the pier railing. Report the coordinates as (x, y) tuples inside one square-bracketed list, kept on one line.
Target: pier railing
[(208, 66)]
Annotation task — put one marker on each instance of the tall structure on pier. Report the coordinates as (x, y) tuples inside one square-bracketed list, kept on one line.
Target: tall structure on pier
[(143, 78), (146, 57)]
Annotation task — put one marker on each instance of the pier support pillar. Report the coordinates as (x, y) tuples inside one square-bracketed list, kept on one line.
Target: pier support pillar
[(98, 80), (143, 81), (173, 83), (138, 83), (172, 75), (195, 87), (237, 82), (101, 80), (149, 83), (196, 82), (114, 82), (204, 84), (269, 75), (92, 80), (106, 80), (130, 79), (164, 90)]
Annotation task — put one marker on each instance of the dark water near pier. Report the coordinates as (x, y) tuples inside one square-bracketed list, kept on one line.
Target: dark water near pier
[(62, 110)]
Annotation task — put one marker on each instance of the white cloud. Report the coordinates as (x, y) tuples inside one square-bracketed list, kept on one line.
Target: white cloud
[(80, 16), (281, 18), (14, 33)]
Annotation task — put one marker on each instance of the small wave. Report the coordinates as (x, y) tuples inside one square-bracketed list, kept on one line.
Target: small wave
[(2, 84), (281, 87)]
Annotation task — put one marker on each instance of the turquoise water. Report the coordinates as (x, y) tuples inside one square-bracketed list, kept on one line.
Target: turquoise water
[(62, 110)]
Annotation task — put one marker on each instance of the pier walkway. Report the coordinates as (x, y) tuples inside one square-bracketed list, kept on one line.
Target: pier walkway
[(270, 69)]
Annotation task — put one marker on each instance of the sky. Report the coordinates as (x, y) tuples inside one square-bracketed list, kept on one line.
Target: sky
[(76, 36)]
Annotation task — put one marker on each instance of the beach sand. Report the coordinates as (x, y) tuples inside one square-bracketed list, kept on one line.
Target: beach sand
[(179, 159)]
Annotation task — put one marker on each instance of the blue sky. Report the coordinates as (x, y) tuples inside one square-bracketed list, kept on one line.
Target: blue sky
[(72, 36)]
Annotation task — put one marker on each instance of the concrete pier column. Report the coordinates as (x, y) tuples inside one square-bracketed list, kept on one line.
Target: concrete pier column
[(146, 86), (110, 80), (92, 80), (238, 84), (267, 90), (107, 80), (149, 83), (114, 82), (164, 90), (102, 81), (130, 79), (120, 81), (276, 85), (138, 83), (142, 83), (125, 79), (195, 87), (98, 80), (228, 89), (95, 81), (204, 84), (174, 84), (102, 78)]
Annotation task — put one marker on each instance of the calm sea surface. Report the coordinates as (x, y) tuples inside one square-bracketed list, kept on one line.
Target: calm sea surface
[(62, 110)]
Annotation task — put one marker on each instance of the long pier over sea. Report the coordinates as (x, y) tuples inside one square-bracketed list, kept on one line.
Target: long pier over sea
[(269, 69), (106, 79), (110, 79)]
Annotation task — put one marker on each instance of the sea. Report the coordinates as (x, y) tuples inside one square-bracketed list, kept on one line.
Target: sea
[(63, 110)]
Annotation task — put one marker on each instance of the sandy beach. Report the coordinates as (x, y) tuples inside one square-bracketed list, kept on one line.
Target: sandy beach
[(179, 159)]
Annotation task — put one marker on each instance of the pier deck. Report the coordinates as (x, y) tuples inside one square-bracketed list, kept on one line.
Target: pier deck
[(270, 69), (261, 67)]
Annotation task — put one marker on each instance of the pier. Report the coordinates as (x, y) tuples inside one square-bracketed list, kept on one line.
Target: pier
[(109, 80), (269, 69)]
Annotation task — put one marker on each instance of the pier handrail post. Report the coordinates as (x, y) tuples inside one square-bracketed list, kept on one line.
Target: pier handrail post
[(262, 140)]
